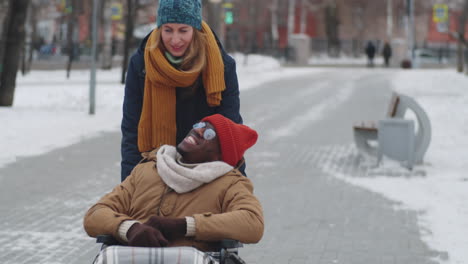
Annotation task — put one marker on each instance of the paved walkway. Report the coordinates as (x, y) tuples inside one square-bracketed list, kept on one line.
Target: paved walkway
[(43, 201), (311, 217), (306, 136)]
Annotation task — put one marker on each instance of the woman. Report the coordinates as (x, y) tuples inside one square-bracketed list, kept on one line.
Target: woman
[(179, 74)]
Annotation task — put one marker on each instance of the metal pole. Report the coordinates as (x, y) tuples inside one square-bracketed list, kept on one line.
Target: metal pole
[(303, 17), (389, 19), (215, 15), (92, 82), (274, 22), (291, 11), (411, 29)]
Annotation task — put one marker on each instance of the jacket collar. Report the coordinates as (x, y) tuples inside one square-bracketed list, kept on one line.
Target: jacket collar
[(182, 178)]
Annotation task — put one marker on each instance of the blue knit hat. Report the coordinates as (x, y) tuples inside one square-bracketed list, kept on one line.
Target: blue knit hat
[(180, 11)]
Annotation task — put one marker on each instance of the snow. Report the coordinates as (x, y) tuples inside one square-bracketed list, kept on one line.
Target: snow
[(442, 194), (325, 60), (51, 112)]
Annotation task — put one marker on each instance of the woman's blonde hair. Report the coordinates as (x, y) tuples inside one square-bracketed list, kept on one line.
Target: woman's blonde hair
[(195, 56)]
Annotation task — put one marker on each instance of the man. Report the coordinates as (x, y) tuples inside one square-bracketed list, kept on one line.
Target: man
[(370, 52), (192, 195), (387, 53)]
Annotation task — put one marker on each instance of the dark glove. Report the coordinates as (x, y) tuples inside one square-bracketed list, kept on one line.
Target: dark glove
[(171, 228), (141, 235)]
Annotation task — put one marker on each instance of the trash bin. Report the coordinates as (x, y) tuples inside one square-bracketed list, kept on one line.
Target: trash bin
[(396, 140), (301, 46)]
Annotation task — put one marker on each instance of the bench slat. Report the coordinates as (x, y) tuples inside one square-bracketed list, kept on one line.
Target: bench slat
[(393, 106), (365, 125)]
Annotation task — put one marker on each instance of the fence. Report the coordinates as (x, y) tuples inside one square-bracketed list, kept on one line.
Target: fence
[(56, 55)]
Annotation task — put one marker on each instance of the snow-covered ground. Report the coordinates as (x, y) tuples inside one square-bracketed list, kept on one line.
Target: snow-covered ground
[(324, 59), (51, 112), (442, 195)]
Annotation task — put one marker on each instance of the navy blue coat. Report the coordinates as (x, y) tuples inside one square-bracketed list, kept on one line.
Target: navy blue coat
[(191, 105)]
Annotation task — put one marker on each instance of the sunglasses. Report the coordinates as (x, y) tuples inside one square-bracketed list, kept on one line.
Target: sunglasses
[(208, 134)]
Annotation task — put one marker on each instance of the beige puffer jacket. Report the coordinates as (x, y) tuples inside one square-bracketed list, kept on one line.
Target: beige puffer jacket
[(223, 209)]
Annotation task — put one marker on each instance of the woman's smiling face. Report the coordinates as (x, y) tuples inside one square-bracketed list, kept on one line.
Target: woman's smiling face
[(176, 38)]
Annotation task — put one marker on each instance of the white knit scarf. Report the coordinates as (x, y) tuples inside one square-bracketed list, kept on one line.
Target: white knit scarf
[(183, 178)]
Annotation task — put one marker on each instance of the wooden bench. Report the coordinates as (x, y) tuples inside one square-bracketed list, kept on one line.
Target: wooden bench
[(372, 125), (366, 134)]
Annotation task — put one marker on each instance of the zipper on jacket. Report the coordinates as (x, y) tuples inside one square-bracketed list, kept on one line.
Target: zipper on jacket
[(163, 195)]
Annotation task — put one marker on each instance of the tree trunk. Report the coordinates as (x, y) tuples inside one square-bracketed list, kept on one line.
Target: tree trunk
[(359, 29), (461, 41), (128, 37), (291, 14), (15, 40), (71, 35), (253, 12), (33, 38), (252, 31), (6, 15), (303, 17), (27, 43), (106, 55), (331, 26), (23, 58), (214, 18), (274, 24)]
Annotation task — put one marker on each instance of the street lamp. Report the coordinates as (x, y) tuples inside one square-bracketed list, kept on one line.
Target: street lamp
[(410, 10), (92, 80), (215, 15)]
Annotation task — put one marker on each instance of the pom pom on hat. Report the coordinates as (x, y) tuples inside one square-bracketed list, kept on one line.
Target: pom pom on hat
[(187, 12), (234, 138)]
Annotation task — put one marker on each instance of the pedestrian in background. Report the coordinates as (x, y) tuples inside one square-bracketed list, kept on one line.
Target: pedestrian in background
[(179, 75), (387, 53), (370, 52)]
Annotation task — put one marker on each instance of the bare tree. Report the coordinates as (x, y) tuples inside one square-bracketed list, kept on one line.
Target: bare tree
[(303, 19), (331, 28), (214, 10), (461, 44), (26, 42), (15, 27), (131, 7), (71, 45), (106, 21), (32, 32), (359, 27), (5, 15), (291, 16), (253, 19), (274, 24)]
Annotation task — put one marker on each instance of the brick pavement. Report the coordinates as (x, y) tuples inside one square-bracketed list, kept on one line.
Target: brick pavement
[(312, 217), (305, 125), (43, 200)]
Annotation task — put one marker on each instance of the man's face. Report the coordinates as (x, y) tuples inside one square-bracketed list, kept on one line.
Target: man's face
[(197, 147)]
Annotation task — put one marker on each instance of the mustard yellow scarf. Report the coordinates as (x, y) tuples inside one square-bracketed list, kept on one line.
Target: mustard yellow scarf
[(158, 116)]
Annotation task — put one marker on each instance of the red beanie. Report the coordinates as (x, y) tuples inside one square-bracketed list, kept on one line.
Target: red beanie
[(234, 138)]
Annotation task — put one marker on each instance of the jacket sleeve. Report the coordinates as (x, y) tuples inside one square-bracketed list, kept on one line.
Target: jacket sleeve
[(105, 217), (132, 105), (242, 217), (230, 105)]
